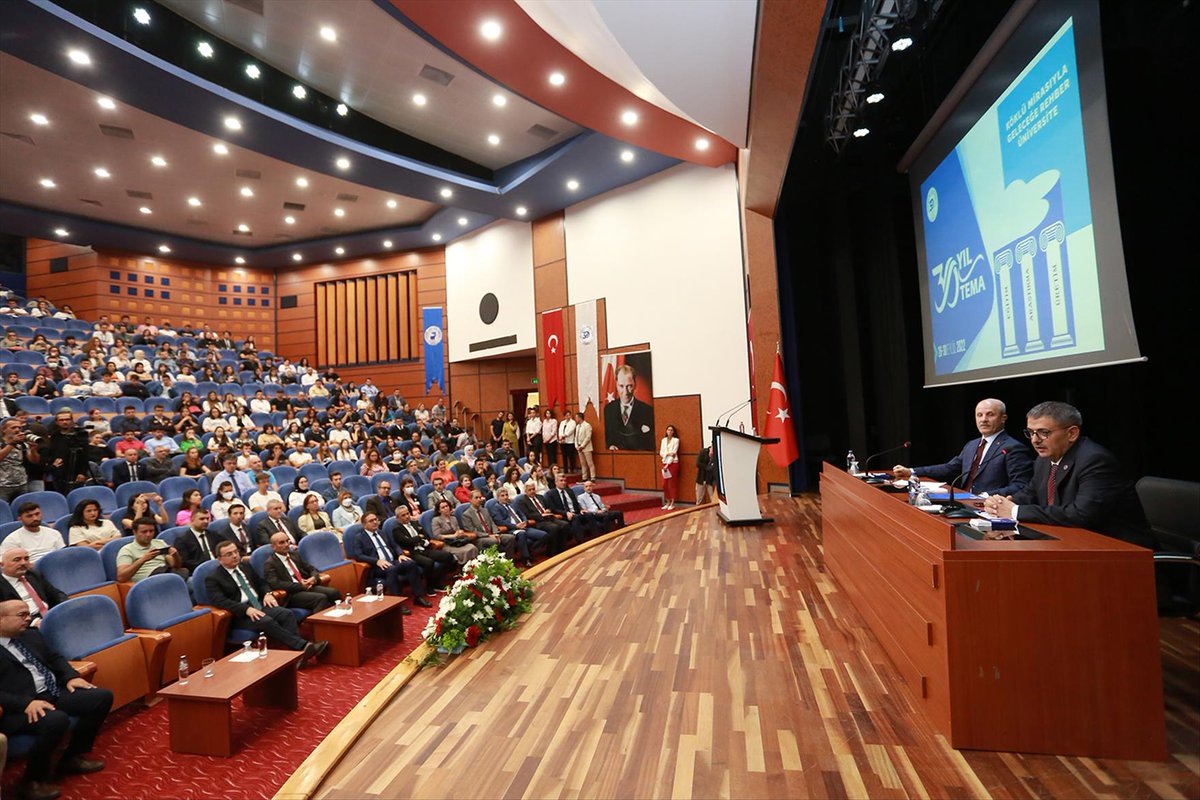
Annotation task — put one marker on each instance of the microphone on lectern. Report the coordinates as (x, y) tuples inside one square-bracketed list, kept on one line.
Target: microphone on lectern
[(903, 446), (729, 414)]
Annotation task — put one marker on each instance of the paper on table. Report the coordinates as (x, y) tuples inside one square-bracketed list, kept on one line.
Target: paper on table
[(339, 612), (930, 509), (243, 658)]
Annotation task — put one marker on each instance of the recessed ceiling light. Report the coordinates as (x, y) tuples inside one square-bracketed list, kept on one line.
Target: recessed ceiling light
[(296, 256), (205, 49), (499, 100), (220, 149), (419, 99), (339, 212), (342, 109), (572, 184), (194, 202), (299, 92), (861, 132), (302, 182), (522, 211), (253, 71), (903, 43), (491, 30), (702, 143), (392, 203), (876, 97), (239, 260), (629, 117), (162, 248), (158, 161), (627, 156), (79, 57), (39, 119), (144, 209), (437, 237), (328, 34), (341, 251), (61, 232), (493, 139), (106, 102), (557, 79), (233, 123), (343, 163), (244, 228), (387, 244), (446, 192), (246, 191), (47, 183), (289, 220), (462, 220), (101, 172), (142, 16)]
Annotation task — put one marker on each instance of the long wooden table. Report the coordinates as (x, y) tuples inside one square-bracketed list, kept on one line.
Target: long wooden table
[(200, 714), (1044, 646)]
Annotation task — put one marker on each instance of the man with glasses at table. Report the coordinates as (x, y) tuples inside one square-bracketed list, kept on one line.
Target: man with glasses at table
[(1076, 482)]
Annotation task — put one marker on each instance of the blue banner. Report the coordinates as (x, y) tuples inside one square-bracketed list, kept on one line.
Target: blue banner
[(435, 370)]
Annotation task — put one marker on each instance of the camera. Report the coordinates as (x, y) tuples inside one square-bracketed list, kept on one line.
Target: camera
[(32, 438)]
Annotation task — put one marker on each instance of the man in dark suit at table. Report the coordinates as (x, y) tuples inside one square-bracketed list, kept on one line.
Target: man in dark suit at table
[(993, 462), (235, 588), (40, 692), (628, 422), (1076, 482), (384, 562), (289, 572)]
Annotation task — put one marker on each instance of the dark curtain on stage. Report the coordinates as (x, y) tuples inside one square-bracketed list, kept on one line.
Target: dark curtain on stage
[(848, 268)]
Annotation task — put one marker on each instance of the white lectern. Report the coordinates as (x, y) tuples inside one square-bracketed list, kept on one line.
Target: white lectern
[(736, 453)]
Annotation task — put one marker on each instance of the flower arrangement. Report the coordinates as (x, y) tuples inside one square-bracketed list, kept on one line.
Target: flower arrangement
[(488, 597)]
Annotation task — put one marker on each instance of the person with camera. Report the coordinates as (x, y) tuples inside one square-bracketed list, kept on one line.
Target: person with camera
[(17, 452), (65, 453)]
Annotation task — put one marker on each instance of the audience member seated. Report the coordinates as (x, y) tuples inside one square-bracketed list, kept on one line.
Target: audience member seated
[(439, 494), (347, 512), (534, 510), (89, 527), (145, 504), (510, 520), (384, 563), (31, 536), (40, 693), (313, 518), (289, 572), (591, 505), (263, 496), (445, 528), (277, 521), (478, 521), (380, 504), (22, 582), (413, 541), (197, 544), (146, 555)]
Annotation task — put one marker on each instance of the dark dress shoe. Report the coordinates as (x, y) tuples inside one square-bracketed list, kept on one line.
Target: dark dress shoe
[(422, 602), (78, 765), (37, 790), (310, 651), (405, 611)]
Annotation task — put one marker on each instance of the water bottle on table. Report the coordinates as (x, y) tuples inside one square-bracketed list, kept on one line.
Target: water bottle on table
[(262, 645), (183, 671)]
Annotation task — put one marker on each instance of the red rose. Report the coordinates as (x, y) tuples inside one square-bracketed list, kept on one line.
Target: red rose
[(472, 636), (438, 630)]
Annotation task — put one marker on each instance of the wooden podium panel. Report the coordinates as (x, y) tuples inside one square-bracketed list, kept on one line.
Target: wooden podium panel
[(1046, 646)]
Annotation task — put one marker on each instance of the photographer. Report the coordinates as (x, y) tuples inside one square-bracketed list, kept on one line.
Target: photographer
[(15, 453), (65, 453)]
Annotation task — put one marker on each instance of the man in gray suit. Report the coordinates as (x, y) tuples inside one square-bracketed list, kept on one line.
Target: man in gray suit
[(477, 519)]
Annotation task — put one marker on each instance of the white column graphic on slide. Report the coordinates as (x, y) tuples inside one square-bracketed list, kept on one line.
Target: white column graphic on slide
[(1004, 266), (1051, 241), (1026, 251)]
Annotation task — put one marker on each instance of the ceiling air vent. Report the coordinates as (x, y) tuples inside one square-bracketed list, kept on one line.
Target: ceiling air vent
[(253, 6), (252, 174), (438, 76), (20, 137), (542, 132), (138, 195), (294, 206), (328, 229), (90, 202), (236, 232), (348, 198), (116, 132)]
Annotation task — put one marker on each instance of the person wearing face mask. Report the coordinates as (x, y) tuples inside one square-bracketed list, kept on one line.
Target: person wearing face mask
[(409, 499), (225, 498), (347, 512)]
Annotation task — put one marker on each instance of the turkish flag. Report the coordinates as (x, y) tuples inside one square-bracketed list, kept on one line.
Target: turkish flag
[(552, 351), (779, 419)]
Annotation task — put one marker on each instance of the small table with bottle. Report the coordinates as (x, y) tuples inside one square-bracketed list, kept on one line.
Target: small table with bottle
[(199, 704), (343, 626)]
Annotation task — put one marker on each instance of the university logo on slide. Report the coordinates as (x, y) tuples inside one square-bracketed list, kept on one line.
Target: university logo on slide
[(433, 335), (931, 204)]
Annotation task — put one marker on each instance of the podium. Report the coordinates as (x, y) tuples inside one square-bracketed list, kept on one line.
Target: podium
[(736, 453)]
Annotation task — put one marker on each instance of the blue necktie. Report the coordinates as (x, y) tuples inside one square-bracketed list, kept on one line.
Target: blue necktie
[(42, 669), (384, 552)]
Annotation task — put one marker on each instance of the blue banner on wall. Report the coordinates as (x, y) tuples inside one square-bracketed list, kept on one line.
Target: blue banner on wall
[(435, 370)]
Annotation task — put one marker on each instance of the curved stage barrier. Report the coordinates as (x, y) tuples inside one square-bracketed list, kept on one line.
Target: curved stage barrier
[(681, 658)]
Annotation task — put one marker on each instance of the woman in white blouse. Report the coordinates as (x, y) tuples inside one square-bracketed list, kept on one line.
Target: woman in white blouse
[(668, 454)]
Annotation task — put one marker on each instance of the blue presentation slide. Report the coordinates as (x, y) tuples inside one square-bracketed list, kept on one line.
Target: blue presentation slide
[(1007, 219)]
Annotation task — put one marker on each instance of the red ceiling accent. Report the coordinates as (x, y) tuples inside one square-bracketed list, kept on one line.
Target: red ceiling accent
[(525, 56)]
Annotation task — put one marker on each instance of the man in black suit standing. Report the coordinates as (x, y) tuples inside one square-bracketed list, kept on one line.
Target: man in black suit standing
[(235, 588), (277, 522), (289, 572), (198, 544), (40, 692), (628, 422), (1075, 482), (22, 582)]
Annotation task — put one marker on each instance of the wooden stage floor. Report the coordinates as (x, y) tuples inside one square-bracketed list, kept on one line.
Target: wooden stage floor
[(689, 660)]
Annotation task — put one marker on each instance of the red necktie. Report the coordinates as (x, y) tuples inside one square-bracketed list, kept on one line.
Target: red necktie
[(1050, 483), (975, 463), (35, 597), (483, 522), (538, 506), (296, 572)]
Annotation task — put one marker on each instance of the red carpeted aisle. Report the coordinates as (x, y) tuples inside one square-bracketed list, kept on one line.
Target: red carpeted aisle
[(270, 746)]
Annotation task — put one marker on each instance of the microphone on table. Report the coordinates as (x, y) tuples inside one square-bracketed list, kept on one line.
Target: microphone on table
[(904, 446), (954, 509)]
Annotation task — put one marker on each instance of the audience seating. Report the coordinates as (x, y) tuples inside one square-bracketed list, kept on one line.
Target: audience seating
[(162, 603), (78, 571), (233, 636), (324, 551), (108, 554), (101, 494), (90, 627), (53, 504), (126, 491)]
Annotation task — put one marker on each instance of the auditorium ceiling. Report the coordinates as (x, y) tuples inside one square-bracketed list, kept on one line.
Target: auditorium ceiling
[(285, 131)]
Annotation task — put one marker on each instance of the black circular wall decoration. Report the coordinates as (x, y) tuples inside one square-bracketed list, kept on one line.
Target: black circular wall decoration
[(489, 307)]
